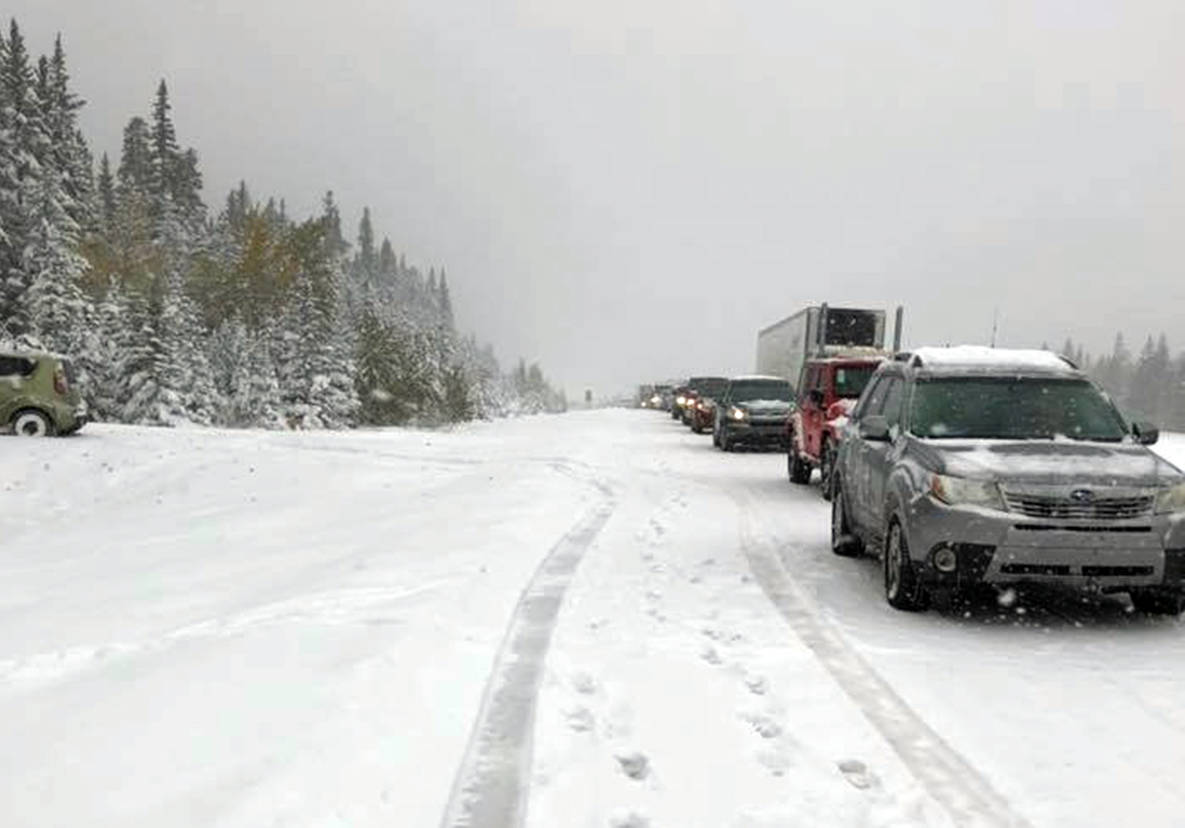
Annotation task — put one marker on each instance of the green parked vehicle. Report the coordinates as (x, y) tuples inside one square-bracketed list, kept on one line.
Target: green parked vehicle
[(37, 395)]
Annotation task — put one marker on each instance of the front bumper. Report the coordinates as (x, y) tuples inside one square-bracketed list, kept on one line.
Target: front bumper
[(1009, 548), (756, 431)]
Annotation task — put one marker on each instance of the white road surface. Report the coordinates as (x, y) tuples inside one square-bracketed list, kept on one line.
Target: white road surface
[(595, 619)]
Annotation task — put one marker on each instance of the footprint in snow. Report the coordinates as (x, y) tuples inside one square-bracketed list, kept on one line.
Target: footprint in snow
[(628, 819), (766, 726), (857, 773), (757, 685), (775, 758), (580, 719), (584, 683), (634, 764), (711, 656)]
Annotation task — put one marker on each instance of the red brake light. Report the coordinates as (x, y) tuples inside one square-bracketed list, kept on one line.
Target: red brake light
[(59, 382)]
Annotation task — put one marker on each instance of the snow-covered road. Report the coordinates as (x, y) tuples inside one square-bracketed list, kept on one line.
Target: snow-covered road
[(588, 620)]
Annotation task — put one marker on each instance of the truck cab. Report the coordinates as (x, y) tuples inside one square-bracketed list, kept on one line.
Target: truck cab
[(829, 391)]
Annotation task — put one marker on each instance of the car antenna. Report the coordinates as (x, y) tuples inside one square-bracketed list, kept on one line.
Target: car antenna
[(995, 324)]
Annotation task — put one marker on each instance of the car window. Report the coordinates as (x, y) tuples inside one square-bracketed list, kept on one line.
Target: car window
[(1013, 408), (891, 407), (873, 398), (748, 390), (851, 381), (15, 366)]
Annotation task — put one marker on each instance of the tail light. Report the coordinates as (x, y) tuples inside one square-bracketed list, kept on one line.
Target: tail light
[(59, 382)]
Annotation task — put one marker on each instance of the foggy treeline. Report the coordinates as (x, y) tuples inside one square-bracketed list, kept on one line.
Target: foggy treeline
[(173, 313), (1149, 385)]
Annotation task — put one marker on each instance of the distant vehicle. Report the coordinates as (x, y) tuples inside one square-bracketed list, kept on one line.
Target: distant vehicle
[(653, 396), (700, 405), (682, 397), (753, 411), (37, 395), (828, 354), (972, 466)]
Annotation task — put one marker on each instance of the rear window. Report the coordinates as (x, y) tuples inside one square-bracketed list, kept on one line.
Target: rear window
[(11, 366)]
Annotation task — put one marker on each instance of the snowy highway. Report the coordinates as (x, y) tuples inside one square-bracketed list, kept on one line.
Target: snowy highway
[(594, 619)]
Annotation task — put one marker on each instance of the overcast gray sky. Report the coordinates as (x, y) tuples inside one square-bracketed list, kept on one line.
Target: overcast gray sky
[(627, 189)]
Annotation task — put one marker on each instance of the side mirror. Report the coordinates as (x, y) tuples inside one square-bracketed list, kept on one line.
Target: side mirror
[(1146, 434), (875, 429), (816, 397)]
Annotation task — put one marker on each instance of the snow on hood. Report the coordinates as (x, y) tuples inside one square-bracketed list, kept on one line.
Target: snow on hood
[(1053, 462)]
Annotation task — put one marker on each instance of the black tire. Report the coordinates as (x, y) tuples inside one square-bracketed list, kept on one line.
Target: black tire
[(903, 591), (844, 542), (696, 427), (798, 469), (1158, 601), (826, 468), (30, 422), (725, 443)]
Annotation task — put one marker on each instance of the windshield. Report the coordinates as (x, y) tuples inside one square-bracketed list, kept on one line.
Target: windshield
[(748, 390), (1013, 408), (850, 382), (709, 386)]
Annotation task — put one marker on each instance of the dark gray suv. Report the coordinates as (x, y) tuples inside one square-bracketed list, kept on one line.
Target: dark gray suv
[(970, 466), (753, 411)]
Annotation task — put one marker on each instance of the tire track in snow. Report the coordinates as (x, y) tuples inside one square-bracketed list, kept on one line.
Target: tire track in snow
[(953, 782), (491, 785)]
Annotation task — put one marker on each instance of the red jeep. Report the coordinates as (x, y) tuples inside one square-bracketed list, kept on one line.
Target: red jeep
[(830, 388)]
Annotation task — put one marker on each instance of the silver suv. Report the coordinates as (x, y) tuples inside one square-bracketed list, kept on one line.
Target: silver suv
[(968, 466)]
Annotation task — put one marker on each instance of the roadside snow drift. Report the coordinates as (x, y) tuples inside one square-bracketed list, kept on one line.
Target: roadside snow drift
[(242, 629)]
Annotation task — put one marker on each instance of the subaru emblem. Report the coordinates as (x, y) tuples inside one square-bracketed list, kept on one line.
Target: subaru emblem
[(1082, 496)]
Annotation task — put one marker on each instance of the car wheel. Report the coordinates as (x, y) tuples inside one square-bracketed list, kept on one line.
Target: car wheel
[(844, 541), (696, 427), (31, 423), (826, 465), (1158, 602), (798, 469), (902, 589), (725, 443)]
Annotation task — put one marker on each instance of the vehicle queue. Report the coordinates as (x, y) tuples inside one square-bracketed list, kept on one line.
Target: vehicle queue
[(965, 470)]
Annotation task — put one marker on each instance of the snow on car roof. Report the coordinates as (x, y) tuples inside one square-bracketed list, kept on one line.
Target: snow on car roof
[(764, 377), (980, 357)]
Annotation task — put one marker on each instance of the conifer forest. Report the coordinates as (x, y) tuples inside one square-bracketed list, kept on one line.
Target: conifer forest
[(176, 312)]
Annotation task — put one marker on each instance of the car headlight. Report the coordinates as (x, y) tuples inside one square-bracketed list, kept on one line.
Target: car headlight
[(958, 491), (1171, 499), (680, 400), (738, 413)]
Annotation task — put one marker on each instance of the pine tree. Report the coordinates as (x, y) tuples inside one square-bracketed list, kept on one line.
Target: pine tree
[(106, 196), (22, 143), (136, 160)]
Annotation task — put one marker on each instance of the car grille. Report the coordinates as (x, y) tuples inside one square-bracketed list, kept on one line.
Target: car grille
[(1102, 508)]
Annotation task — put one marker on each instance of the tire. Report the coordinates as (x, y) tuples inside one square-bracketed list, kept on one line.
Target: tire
[(902, 589), (844, 541), (798, 469), (32, 423), (826, 468), (696, 427), (1158, 602), (725, 443)]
